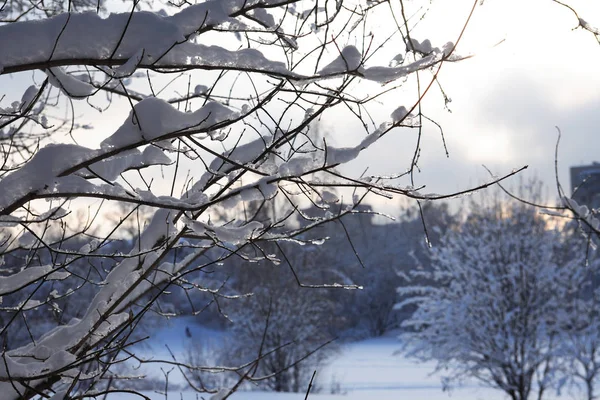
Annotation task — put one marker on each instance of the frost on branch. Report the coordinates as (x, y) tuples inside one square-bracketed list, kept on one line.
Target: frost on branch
[(584, 215), (228, 234)]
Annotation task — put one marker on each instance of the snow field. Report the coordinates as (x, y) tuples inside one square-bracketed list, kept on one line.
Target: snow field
[(363, 370)]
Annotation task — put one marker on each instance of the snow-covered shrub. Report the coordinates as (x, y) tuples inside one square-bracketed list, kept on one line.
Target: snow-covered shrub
[(287, 332), (205, 354), (498, 299)]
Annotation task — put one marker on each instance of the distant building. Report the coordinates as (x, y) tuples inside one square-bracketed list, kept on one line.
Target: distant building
[(585, 184)]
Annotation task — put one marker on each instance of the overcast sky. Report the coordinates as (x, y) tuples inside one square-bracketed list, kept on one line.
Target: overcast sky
[(506, 101), (532, 72)]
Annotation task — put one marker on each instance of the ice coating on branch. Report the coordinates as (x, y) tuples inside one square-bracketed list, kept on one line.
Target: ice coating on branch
[(235, 235), (152, 118), (582, 212), (388, 74), (68, 84), (194, 200), (349, 60), (12, 220), (217, 56)]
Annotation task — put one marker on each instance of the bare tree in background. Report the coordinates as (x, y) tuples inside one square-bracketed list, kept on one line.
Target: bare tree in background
[(210, 107)]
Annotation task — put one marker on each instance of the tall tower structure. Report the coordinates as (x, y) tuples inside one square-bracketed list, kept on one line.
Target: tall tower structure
[(585, 184)]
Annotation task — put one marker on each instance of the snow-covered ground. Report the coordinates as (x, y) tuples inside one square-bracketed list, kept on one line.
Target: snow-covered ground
[(366, 369)]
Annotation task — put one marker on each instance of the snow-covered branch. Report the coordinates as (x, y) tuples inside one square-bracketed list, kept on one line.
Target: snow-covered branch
[(164, 136)]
